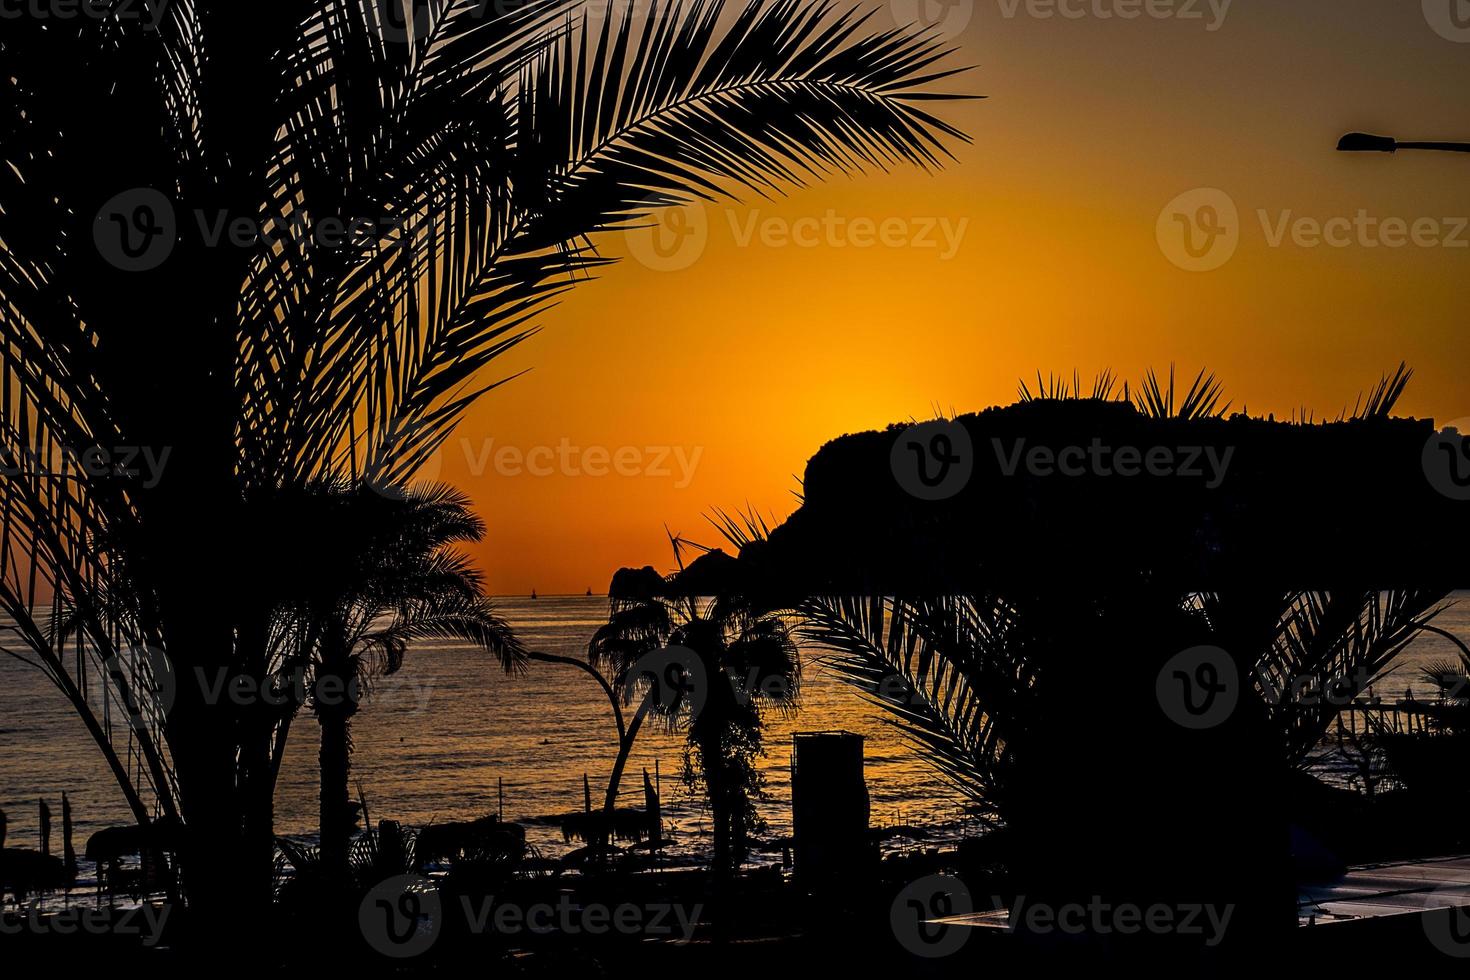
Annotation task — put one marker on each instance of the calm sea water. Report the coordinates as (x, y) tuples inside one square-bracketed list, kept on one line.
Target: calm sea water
[(435, 741)]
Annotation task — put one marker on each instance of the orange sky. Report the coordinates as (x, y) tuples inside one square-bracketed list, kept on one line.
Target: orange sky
[(723, 377)]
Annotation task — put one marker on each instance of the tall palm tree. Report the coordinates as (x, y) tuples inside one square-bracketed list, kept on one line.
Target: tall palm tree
[(390, 575), (735, 663), (483, 145)]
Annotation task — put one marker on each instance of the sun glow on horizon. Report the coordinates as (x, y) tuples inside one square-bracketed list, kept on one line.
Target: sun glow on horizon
[(765, 346)]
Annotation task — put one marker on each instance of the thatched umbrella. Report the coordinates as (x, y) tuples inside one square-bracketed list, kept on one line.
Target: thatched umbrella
[(25, 872)]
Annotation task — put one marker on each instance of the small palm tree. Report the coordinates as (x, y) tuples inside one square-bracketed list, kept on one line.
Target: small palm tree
[(1451, 677), (401, 581), (736, 662)]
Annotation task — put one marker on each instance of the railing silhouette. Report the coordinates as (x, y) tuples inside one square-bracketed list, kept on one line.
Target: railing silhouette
[(1406, 716)]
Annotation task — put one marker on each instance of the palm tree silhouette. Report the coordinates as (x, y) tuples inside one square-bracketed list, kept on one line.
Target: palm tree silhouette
[(1005, 692), (471, 152), (732, 662), (388, 576)]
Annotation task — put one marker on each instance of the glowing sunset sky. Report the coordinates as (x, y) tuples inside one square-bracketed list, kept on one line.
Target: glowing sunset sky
[(735, 369)]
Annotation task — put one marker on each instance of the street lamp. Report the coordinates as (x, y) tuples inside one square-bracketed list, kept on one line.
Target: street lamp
[(1366, 143)]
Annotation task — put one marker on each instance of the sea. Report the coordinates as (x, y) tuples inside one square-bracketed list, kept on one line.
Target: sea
[(452, 737)]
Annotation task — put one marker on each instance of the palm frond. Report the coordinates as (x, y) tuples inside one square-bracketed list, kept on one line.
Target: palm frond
[(943, 668), (1384, 395), (1200, 401)]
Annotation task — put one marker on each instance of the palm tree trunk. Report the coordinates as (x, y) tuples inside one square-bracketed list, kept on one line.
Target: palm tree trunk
[(336, 769), (721, 863), (625, 749)]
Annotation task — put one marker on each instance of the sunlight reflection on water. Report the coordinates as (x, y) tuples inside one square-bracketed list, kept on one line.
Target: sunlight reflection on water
[(434, 740)]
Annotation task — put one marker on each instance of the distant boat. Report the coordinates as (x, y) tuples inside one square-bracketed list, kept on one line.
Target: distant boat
[(589, 593), (533, 593)]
